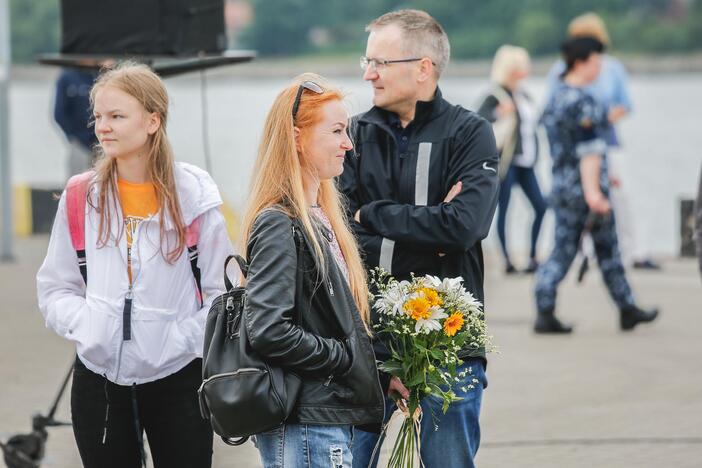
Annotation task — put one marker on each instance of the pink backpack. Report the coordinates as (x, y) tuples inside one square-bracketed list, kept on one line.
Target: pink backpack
[(76, 198)]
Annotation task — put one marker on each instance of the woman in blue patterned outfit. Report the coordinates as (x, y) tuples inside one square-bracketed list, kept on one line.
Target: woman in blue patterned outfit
[(611, 89)]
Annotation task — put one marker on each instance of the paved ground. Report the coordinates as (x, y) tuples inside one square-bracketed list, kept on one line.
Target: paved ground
[(598, 398)]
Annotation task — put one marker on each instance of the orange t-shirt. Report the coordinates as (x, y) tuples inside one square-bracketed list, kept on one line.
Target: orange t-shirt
[(138, 203)]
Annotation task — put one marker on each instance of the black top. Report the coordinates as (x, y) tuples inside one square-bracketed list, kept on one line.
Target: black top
[(487, 110)]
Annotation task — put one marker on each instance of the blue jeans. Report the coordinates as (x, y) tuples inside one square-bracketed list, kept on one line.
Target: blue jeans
[(526, 178), (306, 446), (457, 439)]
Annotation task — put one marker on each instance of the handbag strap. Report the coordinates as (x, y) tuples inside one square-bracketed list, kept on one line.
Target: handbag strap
[(243, 266)]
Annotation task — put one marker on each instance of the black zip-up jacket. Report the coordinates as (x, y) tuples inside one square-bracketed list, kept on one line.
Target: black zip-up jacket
[(313, 329), (405, 225)]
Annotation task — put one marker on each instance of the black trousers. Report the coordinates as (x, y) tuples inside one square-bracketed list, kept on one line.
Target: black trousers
[(167, 410)]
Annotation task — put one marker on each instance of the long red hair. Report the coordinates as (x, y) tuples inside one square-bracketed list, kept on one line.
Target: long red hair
[(277, 180)]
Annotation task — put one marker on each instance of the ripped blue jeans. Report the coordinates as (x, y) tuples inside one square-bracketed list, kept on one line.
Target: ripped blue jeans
[(305, 446)]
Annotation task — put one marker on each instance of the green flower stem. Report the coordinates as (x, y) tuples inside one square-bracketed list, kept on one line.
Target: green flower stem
[(404, 449)]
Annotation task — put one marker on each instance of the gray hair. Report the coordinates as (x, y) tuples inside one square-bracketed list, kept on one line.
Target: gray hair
[(424, 36)]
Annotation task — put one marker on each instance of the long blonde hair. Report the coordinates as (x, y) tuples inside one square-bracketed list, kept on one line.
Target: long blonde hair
[(507, 60), (277, 180), (146, 87)]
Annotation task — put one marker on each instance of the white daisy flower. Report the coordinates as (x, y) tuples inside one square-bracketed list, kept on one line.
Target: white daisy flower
[(431, 323)]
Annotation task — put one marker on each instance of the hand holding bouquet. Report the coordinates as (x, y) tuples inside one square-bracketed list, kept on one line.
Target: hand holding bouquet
[(425, 323)]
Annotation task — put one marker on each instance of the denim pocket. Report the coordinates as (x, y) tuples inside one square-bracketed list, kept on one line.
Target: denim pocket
[(270, 445), (275, 431)]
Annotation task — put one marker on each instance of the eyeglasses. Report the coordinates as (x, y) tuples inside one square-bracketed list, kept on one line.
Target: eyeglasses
[(309, 85), (376, 64)]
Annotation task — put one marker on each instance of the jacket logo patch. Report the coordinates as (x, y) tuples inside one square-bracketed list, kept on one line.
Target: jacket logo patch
[(488, 168)]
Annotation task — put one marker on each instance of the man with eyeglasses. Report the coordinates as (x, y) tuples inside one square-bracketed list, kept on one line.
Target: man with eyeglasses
[(422, 188)]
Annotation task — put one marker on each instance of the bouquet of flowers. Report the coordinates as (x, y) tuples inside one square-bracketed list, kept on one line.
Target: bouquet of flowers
[(425, 323)]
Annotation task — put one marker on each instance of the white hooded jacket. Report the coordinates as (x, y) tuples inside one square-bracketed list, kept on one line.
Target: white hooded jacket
[(167, 322)]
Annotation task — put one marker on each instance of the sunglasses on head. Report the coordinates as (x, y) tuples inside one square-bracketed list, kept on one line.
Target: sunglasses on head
[(309, 85)]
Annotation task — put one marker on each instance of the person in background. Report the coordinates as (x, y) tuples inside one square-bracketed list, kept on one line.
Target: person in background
[(136, 314), (520, 149), (576, 125), (73, 114), (611, 89), (698, 222)]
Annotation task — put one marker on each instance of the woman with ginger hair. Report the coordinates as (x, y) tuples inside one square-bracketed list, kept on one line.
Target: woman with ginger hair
[(315, 327)]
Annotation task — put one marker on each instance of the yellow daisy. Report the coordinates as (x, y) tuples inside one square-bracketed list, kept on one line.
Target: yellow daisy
[(453, 323), (418, 308), (432, 296)]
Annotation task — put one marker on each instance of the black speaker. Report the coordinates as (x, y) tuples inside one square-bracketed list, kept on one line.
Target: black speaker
[(142, 27)]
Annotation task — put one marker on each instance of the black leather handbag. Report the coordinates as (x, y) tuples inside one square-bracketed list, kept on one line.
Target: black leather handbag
[(241, 394)]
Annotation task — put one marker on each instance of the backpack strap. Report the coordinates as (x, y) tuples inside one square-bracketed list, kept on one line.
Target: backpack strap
[(76, 197), (192, 236)]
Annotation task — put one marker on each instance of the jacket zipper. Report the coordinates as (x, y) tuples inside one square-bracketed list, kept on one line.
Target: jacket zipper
[(243, 370), (128, 297), (232, 329), (331, 293)]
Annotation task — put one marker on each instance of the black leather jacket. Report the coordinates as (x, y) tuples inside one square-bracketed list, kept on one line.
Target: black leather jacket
[(313, 329)]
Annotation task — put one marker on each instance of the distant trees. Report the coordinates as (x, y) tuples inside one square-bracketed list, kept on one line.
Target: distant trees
[(34, 28), (476, 27)]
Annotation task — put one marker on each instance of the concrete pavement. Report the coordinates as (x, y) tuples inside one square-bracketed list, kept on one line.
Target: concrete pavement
[(598, 398)]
